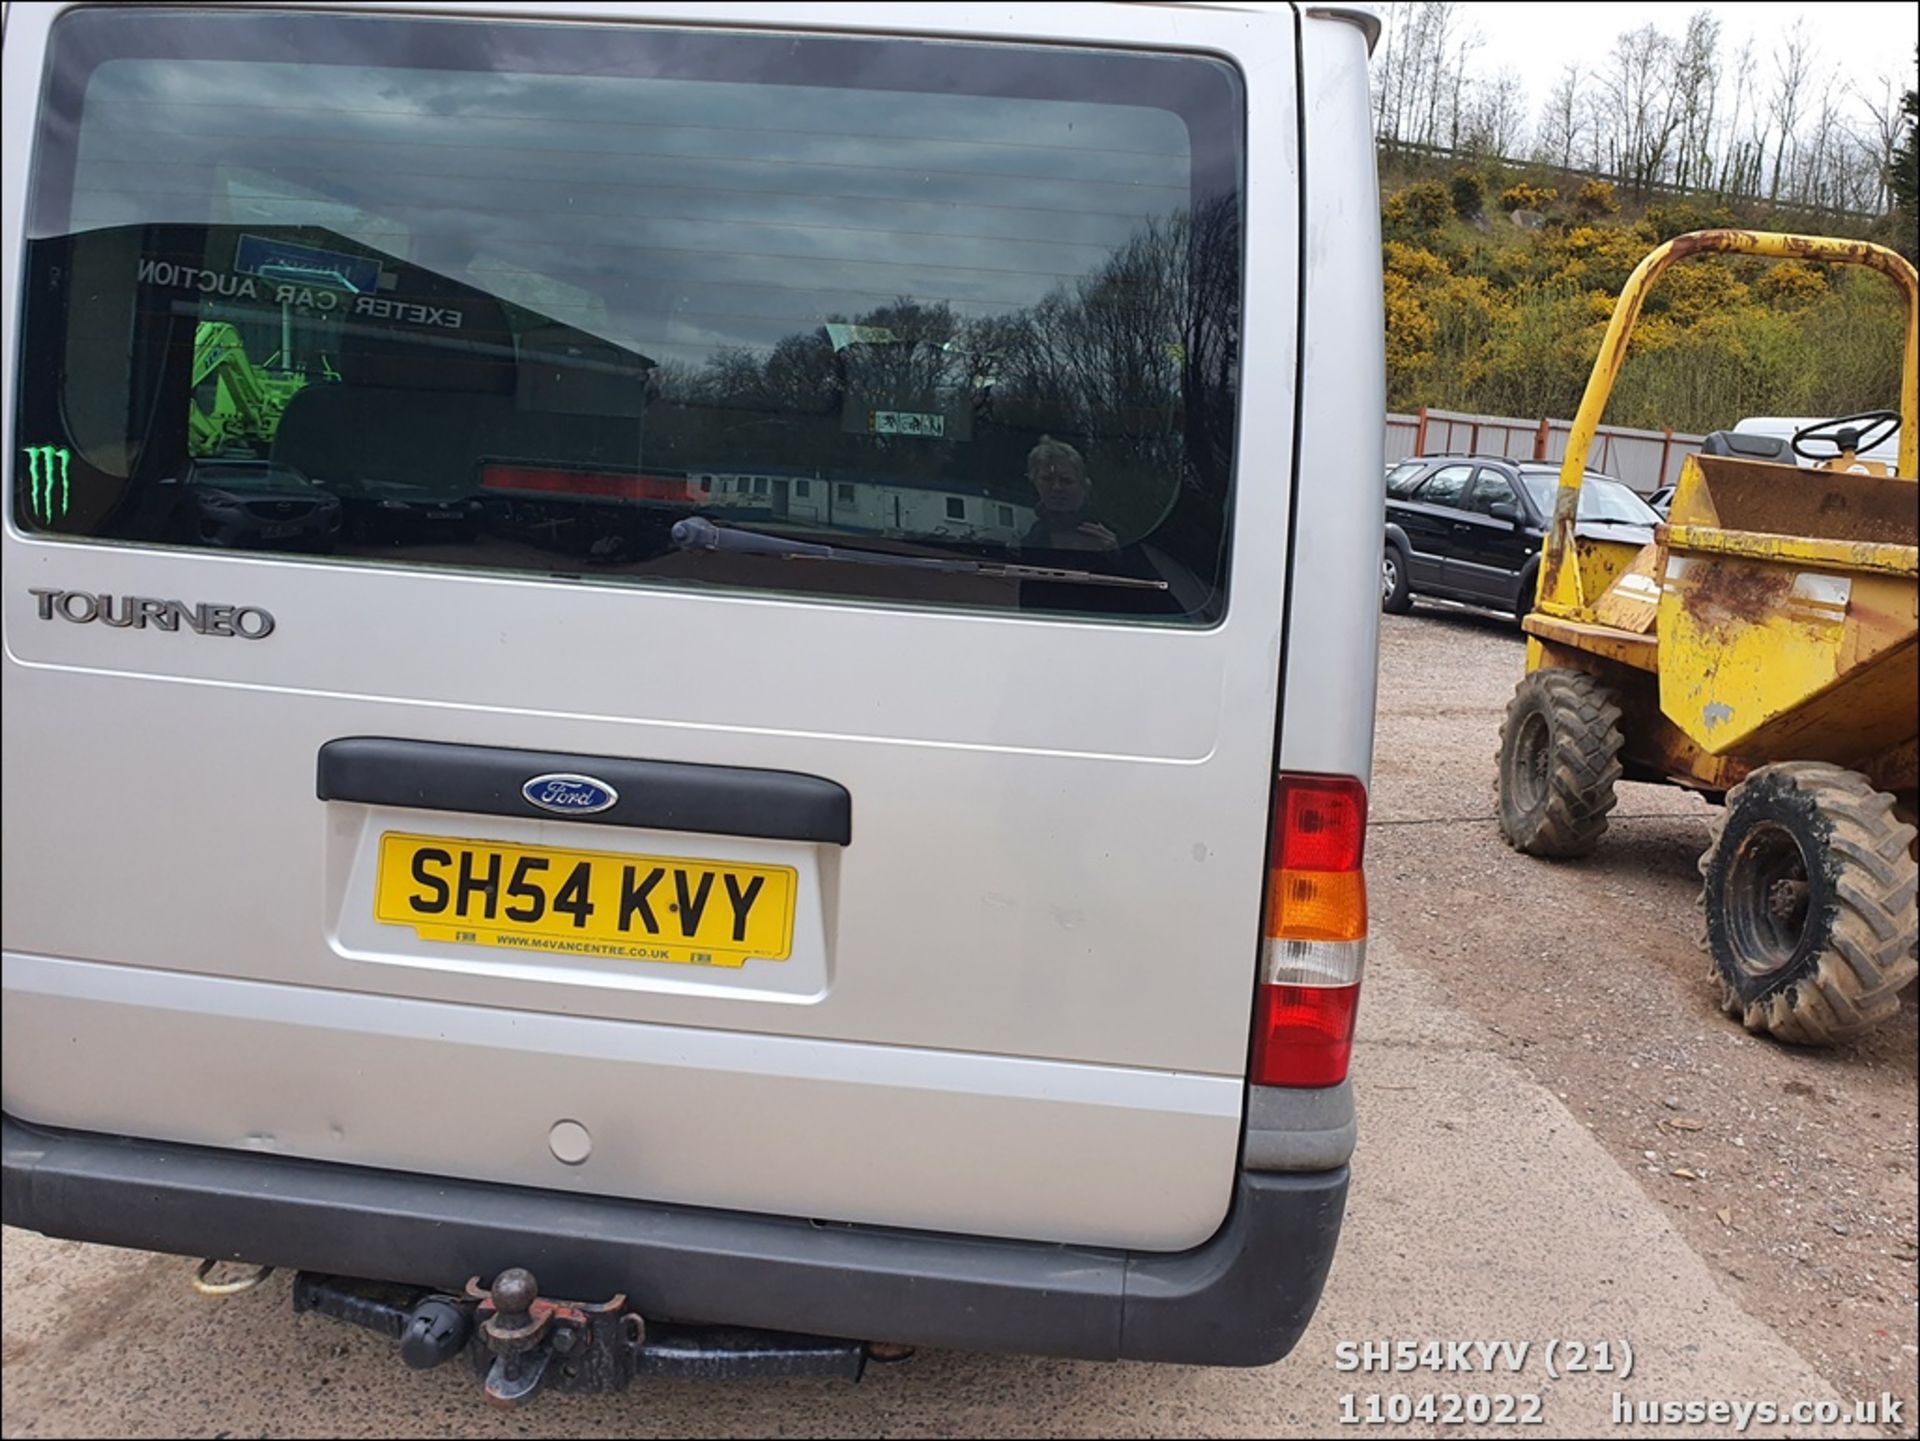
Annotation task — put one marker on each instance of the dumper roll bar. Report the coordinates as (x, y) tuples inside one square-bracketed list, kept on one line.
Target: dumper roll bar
[(1561, 590)]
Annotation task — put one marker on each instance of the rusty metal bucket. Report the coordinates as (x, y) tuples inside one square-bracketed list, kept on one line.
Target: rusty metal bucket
[(1788, 612)]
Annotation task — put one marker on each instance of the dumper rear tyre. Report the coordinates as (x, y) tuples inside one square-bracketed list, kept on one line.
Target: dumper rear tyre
[(1559, 760), (1808, 895)]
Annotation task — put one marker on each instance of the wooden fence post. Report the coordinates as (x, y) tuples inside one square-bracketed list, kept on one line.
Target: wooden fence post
[(1540, 440), (1420, 433)]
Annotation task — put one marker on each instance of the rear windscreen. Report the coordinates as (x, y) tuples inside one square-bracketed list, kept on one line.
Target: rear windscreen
[(926, 322)]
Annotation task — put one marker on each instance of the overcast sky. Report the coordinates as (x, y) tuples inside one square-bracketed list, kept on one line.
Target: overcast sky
[(1861, 40)]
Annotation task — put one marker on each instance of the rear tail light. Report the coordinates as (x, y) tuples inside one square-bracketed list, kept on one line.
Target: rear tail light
[(1316, 933)]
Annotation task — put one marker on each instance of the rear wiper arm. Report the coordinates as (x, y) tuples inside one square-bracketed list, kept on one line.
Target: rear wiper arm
[(699, 533)]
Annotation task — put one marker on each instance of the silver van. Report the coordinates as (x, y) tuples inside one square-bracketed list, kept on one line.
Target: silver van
[(817, 782)]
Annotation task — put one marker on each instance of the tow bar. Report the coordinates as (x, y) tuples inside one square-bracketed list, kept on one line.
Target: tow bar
[(595, 1345), (521, 1343)]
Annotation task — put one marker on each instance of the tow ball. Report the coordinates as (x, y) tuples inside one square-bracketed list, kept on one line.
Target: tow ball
[(529, 1341)]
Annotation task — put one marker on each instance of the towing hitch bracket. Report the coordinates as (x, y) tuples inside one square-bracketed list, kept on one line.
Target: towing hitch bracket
[(521, 1343), (528, 1341)]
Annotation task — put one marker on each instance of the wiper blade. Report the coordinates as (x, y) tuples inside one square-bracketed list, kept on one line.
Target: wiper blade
[(699, 533)]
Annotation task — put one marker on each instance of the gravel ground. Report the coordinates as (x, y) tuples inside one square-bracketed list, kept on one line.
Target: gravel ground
[(1791, 1172)]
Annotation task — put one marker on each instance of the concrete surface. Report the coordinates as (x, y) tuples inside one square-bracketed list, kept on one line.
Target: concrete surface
[(1793, 1173), (1480, 1210)]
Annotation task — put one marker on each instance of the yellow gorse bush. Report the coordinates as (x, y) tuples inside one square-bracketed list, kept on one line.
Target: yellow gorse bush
[(1489, 318)]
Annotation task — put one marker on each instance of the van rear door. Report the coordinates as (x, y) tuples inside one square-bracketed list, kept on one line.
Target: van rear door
[(688, 613)]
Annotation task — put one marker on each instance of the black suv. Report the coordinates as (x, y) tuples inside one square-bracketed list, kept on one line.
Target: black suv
[(1468, 527)]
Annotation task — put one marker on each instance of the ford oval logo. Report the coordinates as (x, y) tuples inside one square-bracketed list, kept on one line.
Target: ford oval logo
[(569, 795)]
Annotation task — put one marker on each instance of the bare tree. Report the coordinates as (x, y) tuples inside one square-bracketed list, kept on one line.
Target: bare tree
[(1421, 74), (1496, 115), (1384, 68), (1696, 81), (1408, 69), (1441, 20), (1739, 149), (1459, 105), (1638, 110), (1792, 74), (1887, 124), (1662, 112), (1563, 123)]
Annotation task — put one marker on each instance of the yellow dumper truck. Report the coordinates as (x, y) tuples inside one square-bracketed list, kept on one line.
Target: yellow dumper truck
[(1760, 650)]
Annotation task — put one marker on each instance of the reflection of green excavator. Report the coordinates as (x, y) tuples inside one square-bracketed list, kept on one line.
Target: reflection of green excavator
[(235, 402)]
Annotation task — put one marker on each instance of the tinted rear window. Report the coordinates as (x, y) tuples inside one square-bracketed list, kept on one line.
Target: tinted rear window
[(567, 288)]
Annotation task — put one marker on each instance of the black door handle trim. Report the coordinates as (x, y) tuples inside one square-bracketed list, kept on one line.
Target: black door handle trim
[(659, 795)]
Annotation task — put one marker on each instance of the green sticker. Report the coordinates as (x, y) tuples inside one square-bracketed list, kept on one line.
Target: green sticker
[(47, 473)]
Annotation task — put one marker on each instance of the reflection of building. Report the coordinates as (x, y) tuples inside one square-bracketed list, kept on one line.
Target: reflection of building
[(351, 365), (901, 506)]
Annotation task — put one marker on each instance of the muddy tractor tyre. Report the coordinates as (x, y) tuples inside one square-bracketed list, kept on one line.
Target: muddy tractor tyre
[(1808, 894), (1559, 759)]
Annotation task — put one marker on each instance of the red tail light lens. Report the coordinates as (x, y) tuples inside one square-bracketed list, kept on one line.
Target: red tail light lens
[(1305, 1035), (1320, 823), (1316, 933)]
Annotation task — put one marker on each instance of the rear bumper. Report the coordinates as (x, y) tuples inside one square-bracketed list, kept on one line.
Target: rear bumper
[(1242, 1298)]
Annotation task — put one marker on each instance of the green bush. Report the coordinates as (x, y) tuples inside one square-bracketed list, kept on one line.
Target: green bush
[(1469, 195)]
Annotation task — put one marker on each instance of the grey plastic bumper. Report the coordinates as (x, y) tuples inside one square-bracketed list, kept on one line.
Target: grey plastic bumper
[(1299, 1130), (1242, 1298)]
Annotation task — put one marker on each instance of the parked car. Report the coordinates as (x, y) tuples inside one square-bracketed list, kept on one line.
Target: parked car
[(1468, 528), (1400, 469), (248, 503), (1661, 501), (874, 935), (398, 510)]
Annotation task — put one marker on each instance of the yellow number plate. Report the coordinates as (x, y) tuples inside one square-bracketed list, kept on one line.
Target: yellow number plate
[(585, 903)]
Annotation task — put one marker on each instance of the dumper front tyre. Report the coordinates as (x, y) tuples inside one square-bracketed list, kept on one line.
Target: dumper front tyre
[(1808, 896), (1559, 760)]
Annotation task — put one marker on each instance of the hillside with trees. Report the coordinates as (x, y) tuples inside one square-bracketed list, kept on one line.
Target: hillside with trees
[(1507, 237)]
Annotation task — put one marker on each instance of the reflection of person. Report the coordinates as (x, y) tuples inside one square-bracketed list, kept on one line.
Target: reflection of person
[(1065, 519)]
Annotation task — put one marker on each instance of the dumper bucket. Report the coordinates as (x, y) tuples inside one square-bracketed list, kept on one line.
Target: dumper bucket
[(1787, 613)]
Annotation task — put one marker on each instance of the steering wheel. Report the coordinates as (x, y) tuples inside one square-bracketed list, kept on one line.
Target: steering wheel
[(1870, 427)]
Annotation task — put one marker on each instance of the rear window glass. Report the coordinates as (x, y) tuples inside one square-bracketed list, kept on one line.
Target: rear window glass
[(639, 305)]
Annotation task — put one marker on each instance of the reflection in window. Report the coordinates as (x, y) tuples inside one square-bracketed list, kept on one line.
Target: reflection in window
[(521, 313)]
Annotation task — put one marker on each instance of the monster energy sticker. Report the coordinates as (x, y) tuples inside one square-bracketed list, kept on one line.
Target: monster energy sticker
[(47, 477)]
